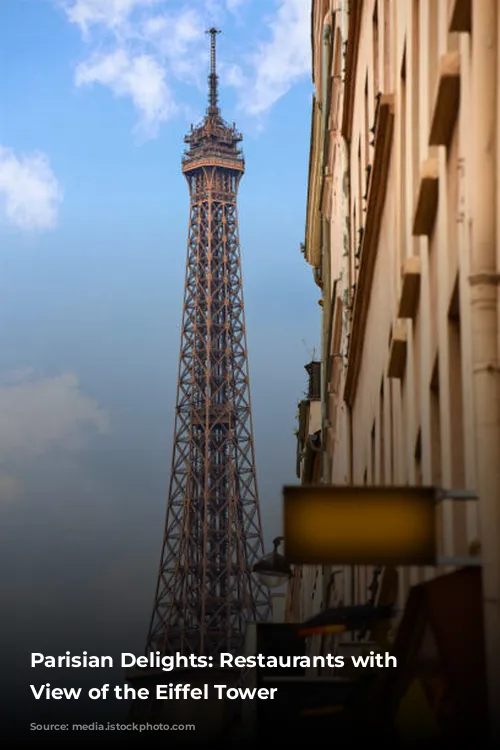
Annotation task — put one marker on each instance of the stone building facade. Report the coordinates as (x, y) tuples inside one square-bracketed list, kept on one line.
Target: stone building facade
[(403, 214)]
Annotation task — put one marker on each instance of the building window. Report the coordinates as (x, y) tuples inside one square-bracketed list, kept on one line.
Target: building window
[(376, 43), (354, 249), (361, 206), (366, 133), (453, 177), (360, 188), (387, 44), (415, 86), (433, 287), (392, 443), (381, 433), (435, 427), (436, 451), (432, 59), (456, 413), (402, 159), (336, 84), (373, 455), (335, 353), (418, 459)]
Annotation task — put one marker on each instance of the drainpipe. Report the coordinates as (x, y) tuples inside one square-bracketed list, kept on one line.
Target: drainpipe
[(326, 51), (484, 280)]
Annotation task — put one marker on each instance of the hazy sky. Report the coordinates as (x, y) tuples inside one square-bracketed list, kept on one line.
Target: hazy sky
[(95, 98)]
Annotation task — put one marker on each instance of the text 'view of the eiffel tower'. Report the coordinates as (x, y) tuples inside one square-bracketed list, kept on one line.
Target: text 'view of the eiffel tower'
[(206, 593)]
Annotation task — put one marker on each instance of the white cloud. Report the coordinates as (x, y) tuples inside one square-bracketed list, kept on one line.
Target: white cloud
[(232, 75), (173, 33), (282, 61), (141, 49), (30, 194), (178, 39), (110, 13), (141, 78), (37, 415), (233, 5)]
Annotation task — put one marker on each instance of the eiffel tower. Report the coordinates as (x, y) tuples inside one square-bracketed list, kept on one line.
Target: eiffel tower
[(206, 592)]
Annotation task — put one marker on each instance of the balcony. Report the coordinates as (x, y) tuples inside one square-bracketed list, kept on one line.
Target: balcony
[(397, 355), (460, 16), (313, 370), (410, 288), (447, 100), (427, 200), (309, 426)]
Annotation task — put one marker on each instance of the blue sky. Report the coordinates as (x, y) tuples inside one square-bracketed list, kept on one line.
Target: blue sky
[(95, 98)]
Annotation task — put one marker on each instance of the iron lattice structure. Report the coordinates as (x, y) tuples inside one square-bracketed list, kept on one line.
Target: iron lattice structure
[(206, 592)]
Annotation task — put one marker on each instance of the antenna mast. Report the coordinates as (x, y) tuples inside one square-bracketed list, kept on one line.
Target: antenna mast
[(213, 108)]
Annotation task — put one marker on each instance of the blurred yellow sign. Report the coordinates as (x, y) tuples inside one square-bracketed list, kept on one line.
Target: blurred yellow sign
[(336, 525)]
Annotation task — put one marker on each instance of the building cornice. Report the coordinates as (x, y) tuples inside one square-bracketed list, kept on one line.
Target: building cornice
[(313, 215)]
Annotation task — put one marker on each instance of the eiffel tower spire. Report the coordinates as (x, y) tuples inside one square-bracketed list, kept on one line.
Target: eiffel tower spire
[(213, 80)]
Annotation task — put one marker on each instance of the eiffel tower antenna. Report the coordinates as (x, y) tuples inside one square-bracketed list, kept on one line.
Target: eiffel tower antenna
[(213, 80)]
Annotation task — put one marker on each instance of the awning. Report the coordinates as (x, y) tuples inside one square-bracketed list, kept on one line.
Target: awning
[(341, 619)]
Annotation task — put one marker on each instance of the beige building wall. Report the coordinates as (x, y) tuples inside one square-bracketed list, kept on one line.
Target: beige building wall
[(402, 220), (402, 426)]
